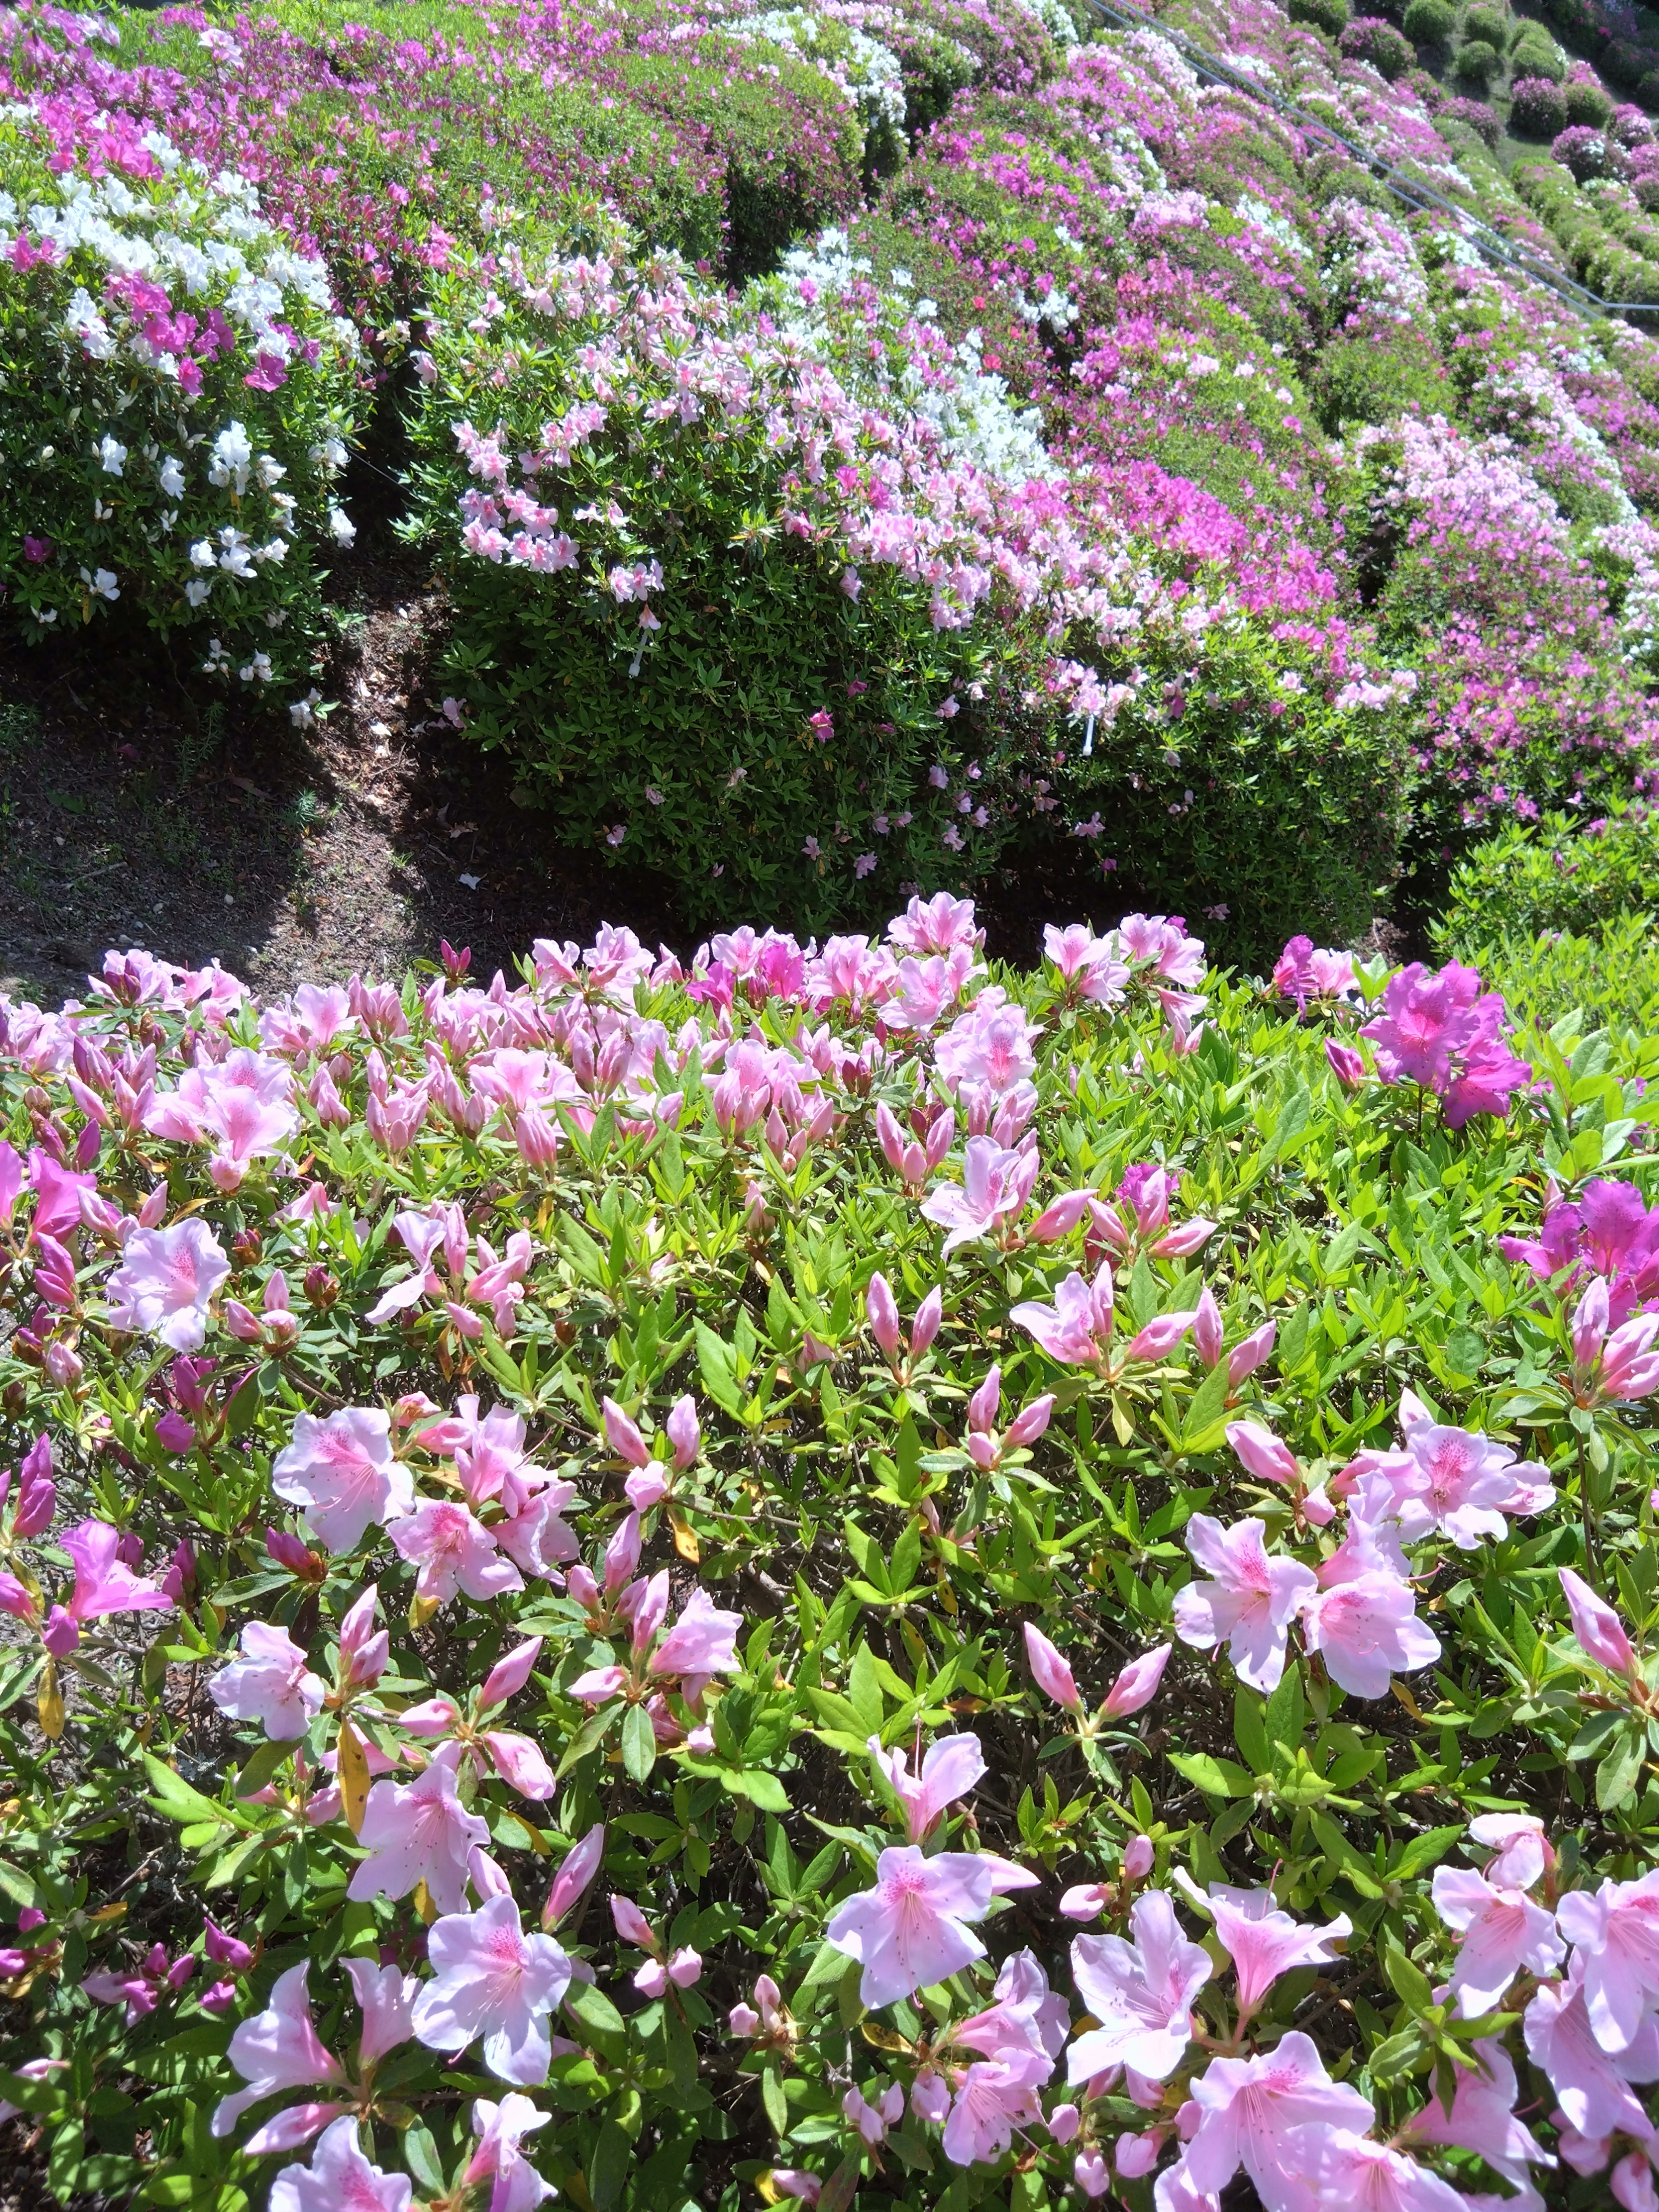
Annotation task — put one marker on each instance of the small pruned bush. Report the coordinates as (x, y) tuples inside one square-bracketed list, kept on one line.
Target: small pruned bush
[(1587, 104), (1372, 38), (1330, 16), (1476, 63), (1537, 109), (1589, 153), (1535, 53), (1476, 115), (1605, 979), (1430, 22), (1494, 25)]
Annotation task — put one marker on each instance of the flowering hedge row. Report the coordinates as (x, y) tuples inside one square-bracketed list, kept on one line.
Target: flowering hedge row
[(824, 1576)]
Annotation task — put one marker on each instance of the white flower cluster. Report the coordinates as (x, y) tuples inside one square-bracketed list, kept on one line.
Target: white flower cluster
[(1053, 18), (1283, 232), (860, 67)]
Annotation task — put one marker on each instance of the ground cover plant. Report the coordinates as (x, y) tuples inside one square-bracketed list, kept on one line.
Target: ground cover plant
[(824, 1575)]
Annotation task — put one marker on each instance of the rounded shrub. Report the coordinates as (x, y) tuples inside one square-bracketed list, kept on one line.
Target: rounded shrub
[(1330, 16), (1625, 63), (1559, 874), (1648, 90), (1475, 63), (1536, 54), (1587, 104), (1476, 115), (1372, 38), (1589, 153), (1494, 25), (176, 399), (1536, 108), (1631, 127), (1430, 22), (1646, 190)]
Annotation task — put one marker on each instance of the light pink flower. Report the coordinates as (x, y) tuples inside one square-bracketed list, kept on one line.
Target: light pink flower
[(418, 1830), (1598, 1628), (1501, 1930), (1142, 1994), (165, 1282), (270, 1683), (1264, 1943), (501, 2128), (909, 1931), (456, 1552), (1027, 2017), (1348, 2169), (581, 1863), (953, 1766), (1050, 1672), (1591, 2083), (1076, 1329), (342, 1471), (996, 2095), (1137, 1686), (340, 2178), (385, 1996), (492, 1980), (703, 1641), (995, 1188), (1249, 1601), (104, 1582), (1366, 1627), (1614, 1932), (1462, 1483), (1524, 1849), (1482, 2118), (1249, 2107), (277, 2050)]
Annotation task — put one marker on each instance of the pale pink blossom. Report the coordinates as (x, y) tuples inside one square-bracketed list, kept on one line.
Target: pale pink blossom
[(1249, 1602), (277, 2050), (342, 1472), (455, 1552), (1141, 1993), (104, 1582), (1050, 1672), (951, 1768), (1349, 2170), (515, 2185), (1500, 1931), (1614, 1932), (1598, 1628), (996, 2095), (910, 1930), (385, 1996), (1523, 1851), (1364, 1627), (995, 1188), (1248, 2107), (1591, 2083), (1264, 1943), (492, 1980), (418, 1831), (165, 1282), (1138, 1684), (701, 1643), (270, 1683), (1482, 2118), (340, 2178)]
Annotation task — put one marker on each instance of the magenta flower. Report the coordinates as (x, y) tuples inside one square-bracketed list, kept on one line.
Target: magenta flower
[(1609, 1232), (455, 1552), (1249, 1602), (1500, 1931), (910, 1931), (492, 1980), (165, 1281), (338, 2177), (342, 1472), (1249, 2107), (501, 2128), (1141, 1993), (270, 1683), (1615, 1367), (953, 1765), (277, 2050), (1050, 1672), (419, 1832), (139, 1989), (1614, 1932), (1440, 1030), (104, 1582)]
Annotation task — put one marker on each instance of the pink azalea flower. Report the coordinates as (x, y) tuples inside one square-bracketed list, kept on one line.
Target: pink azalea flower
[(1027, 2017), (270, 1683), (1249, 1601), (1598, 1628), (1501, 1930), (1591, 2083), (456, 1552), (703, 1641), (1348, 2169), (1050, 1672), (1462, 1483), (104, 1582), (581, 1863), (996, 2095), (1523, 1851), (1142, 1994), (909, 1931), (165, 1282), (277, 2050), (1364, 1624), (1482, 2118), (418, 1830), (491, 1980), (1137, 1686), (1264, 1943), (994, 1190), (1614, 1932), (1249, 2107), (501, 2128), (953, 1766), (340, 2178), (342, 1471), (1076, 1329), (385, 1996)]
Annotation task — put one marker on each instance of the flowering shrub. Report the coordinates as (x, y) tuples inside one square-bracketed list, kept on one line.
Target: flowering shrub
[(1537, 108), (1373, 38), (743, 1578), (175, 403)]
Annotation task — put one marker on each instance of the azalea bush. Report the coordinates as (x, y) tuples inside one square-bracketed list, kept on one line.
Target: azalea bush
[(821, 1574), (176, 397)]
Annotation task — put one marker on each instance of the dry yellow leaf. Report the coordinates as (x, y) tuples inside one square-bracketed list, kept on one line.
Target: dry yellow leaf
[(354, 1776)]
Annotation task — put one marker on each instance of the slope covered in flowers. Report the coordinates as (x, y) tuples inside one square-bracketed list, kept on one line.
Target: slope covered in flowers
[(827, 1577)]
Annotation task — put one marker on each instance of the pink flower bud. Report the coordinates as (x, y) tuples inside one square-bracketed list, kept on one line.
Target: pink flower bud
[(1345, 1064), (983, 1405), (940, 1138), (581, 1586), (742, 2020), (652, 1979), (1158, 1337), (60, 1635), (891, 1138), (646, 1489), (1050, 1671), (1245, 1358), (1063, 2122), (580, 1865), (622, 1555), (1181, 1244), (684, 1968), (623, 1438), (1263, 1454), (651, 1611), (1590, 1326), (792, 2181), (1089, 2172), (1138, 1856), (1136, 2155), (1032, 1422), (1598, 1628), (1207, 1327), (883, 1312), (246, 1326), (684, 1431), (1060, 1217), (924, 1328), (226, 1950), (288, 1551), (509, 1675), (153, 1211), (631, 1924), (1137, 1686)]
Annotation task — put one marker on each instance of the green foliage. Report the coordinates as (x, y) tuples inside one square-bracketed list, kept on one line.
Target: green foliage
[(1430, 22), (1493, 25), (1330, 16), (1476, 63), (1375, 378), (1560, 873), (1607, 977), (1536, 54), (1586, 104)]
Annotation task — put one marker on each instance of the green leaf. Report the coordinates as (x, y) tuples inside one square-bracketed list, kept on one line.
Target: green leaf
[(1202, 1429), (638, 1743), (772, 2097), (421, 2157), (597, 2018), (842, 2186), (1216, 1777), (1406, 1980), (1616, 1777), (607, 2169)]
